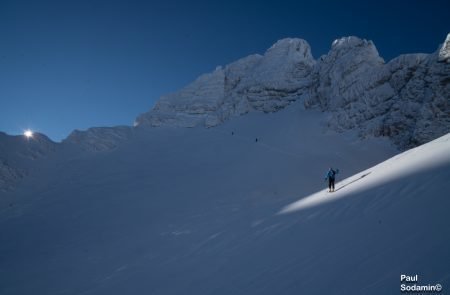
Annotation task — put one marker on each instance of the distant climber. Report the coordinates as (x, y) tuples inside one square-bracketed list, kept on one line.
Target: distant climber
[(331, 176)]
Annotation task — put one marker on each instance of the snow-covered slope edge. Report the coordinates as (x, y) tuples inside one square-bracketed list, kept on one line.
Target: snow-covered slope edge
[(416, 161)]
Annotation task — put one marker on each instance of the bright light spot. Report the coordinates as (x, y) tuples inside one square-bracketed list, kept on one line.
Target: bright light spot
[(28, 133)]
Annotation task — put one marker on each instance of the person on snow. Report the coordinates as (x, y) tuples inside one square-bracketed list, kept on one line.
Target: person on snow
[(331, 176)]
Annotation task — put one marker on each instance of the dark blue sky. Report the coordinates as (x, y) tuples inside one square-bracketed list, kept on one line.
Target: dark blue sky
[(68, 65)]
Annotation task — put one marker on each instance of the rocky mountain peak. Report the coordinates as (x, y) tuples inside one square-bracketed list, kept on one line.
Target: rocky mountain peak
[(293, 48), (444, 51)]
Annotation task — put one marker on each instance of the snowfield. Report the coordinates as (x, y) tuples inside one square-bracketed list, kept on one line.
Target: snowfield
[(240, 208)]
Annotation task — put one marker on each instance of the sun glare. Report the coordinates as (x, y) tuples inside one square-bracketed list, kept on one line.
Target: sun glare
[(28, 133)]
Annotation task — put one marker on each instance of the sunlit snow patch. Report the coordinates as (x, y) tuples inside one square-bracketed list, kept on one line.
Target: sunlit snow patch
[(419, 159)]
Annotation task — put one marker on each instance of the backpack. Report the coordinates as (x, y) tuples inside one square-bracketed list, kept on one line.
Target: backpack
[(331, 173)]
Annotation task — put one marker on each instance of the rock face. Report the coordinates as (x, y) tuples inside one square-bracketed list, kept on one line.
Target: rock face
[(264, 83), (444, 52), (406, 99)]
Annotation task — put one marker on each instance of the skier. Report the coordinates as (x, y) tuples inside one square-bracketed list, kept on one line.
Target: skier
[(331, 175)]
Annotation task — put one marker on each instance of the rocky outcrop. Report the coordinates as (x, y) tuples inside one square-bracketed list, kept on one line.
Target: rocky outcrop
[(407, 99), (444, 52)]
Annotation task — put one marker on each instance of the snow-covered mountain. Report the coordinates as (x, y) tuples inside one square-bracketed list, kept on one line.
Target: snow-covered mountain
[(406, 99), (266, 83)]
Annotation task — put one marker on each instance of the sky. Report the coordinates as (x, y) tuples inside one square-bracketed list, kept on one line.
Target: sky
[(68, 65)]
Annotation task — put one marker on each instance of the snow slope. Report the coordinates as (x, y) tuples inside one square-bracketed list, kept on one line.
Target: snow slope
[(196, 211), (392, 218)]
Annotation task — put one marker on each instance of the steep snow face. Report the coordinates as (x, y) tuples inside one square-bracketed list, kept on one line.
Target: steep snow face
[(18, 153), (266, 83)]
